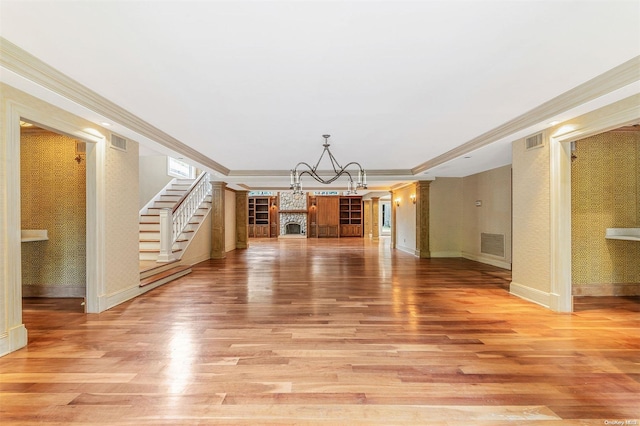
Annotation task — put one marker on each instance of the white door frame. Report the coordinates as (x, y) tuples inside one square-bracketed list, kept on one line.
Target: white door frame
[(620, 114), (95, 208)]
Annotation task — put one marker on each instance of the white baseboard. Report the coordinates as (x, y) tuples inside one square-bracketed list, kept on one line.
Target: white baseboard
[(194, 260), (14, 339), (531, 294), (408, 250), (446, 254), (488, 260), (132, 292)]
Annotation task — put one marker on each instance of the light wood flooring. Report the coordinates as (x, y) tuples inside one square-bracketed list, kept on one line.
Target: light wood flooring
[(331, 332)]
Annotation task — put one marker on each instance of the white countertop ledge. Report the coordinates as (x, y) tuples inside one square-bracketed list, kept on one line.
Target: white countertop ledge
[(628, 234), (28, 235)]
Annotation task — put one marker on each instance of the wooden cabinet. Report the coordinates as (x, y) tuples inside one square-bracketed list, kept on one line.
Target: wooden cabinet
[(351, 216), (260, 221), (328, 217), (334, 217)]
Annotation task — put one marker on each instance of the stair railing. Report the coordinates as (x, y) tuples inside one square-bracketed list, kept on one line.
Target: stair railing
[(173, 221)]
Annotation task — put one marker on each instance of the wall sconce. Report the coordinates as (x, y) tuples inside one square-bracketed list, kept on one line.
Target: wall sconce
[(397, 201), (78, 158), (413, 198), (273, 204)]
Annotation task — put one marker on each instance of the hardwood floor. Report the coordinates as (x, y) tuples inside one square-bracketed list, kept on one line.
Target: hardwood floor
[(328, 332)]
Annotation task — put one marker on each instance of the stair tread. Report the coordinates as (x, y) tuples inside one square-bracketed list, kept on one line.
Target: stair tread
[(157, 240), (157, 250)]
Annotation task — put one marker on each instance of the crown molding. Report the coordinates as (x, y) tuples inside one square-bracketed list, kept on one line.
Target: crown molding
[(614, 79), (280, 173), (28, 66)]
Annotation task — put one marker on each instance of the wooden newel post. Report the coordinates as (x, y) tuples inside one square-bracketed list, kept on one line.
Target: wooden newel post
[(166, 236)]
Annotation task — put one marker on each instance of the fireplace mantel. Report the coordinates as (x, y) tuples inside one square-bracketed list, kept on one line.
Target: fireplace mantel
[(293, 211)]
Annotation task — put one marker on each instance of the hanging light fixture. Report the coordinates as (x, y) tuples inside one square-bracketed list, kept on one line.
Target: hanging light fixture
[(352, 186)]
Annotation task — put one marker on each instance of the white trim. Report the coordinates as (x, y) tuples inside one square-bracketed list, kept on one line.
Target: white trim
[(14, 339), (96, 236), (625, 111), (192, 170), (408, 250), (201, 258), (14, 333), (531, 294), (488, 260), (122, 296), (446, 254)]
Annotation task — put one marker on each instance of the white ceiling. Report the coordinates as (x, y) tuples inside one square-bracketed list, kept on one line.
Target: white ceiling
[(254, 85)]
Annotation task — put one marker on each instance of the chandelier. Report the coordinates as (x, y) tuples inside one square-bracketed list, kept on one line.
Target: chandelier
[(352, 186)]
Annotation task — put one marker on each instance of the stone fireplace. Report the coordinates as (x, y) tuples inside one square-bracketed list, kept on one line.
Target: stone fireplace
[(293, 223), (293, 214)]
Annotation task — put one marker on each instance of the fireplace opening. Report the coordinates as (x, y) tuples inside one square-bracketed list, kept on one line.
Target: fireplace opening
[(292, 229)]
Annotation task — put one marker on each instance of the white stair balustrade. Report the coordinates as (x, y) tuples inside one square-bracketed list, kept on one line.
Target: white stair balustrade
[(169, 221)]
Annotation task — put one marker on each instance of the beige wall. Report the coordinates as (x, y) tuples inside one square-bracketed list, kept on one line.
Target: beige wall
[(605, 180), (445, 217), (456, 222), (229, 220), (53, 198), (122, 219), (405, 219), (531, 216), (153, 177), (493, 189), (199, 248)]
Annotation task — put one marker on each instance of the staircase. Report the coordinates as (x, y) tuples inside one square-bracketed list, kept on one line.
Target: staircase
[(153, 270)]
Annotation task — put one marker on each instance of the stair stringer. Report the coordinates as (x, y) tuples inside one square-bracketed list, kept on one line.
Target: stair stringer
[(185, 238)]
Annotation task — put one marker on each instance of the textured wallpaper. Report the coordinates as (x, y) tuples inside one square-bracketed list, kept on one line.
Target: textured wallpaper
[(605, 185), (531, 217), (122, 218), (53, 197)]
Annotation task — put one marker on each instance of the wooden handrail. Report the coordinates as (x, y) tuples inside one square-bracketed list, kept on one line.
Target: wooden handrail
[(186, 194)]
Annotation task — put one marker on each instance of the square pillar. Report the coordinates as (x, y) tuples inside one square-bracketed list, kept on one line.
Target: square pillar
[(242, 219), (375, 222), (422, 218), (217, 220)]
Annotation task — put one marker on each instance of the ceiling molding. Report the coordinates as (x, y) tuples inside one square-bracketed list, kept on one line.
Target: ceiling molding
[(614, 79), (28, 66), (280, 173)]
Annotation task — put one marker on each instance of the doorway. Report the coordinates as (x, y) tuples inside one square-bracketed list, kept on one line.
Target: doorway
[(385, 223), (40, 115), (625, 112), (605, 175), (52, 215)]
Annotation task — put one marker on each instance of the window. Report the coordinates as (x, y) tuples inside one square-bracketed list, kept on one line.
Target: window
[(179, 168)]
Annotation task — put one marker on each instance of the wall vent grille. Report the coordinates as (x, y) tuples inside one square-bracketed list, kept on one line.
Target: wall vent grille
[(492, 244), (118, 143), (533, 142)]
